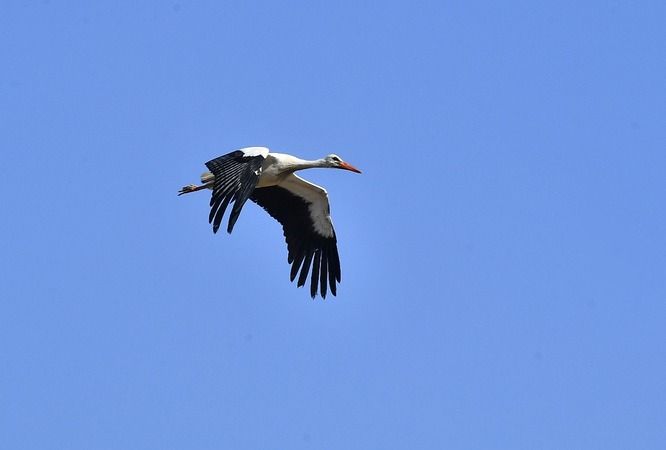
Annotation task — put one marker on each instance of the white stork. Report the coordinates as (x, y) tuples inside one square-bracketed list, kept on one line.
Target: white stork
[(268, 179)]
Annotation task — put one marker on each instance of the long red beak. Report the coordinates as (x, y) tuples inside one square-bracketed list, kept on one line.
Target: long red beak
[(347, 166)]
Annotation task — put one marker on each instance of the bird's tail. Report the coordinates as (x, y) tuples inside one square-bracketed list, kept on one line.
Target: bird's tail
[(207, 178)]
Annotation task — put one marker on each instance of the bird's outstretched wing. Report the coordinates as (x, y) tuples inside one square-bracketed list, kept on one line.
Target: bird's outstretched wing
[(303, 210), (236, 175)]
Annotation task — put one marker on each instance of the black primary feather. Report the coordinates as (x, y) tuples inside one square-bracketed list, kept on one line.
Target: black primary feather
[(303, 242), (236, 176)]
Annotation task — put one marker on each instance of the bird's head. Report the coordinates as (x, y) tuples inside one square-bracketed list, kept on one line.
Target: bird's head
[(337, 162)]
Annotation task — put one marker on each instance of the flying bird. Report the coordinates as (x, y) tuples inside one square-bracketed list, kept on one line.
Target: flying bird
[(268, 179)]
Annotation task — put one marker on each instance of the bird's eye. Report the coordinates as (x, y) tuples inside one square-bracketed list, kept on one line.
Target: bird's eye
[(335, 158)]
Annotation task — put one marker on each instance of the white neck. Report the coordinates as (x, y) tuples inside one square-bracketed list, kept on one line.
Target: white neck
[(290, 163)]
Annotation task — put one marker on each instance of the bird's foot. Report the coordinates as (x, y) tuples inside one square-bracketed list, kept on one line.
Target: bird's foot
[(187, 189)]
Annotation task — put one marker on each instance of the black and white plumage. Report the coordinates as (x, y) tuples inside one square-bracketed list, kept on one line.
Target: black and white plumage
[(268, 179)]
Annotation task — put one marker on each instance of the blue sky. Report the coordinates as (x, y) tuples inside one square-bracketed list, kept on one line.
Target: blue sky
[(503, 253)]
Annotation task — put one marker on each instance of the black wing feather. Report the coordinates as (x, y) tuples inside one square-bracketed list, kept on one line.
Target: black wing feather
[(303, 241), (314, 281), (236, 176), (323, 272), (307, 262)]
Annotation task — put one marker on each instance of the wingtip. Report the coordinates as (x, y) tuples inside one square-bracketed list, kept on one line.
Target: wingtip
[(230, 226)]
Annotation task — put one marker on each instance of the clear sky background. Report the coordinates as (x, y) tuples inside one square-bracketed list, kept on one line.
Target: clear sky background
[(503, 252)]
